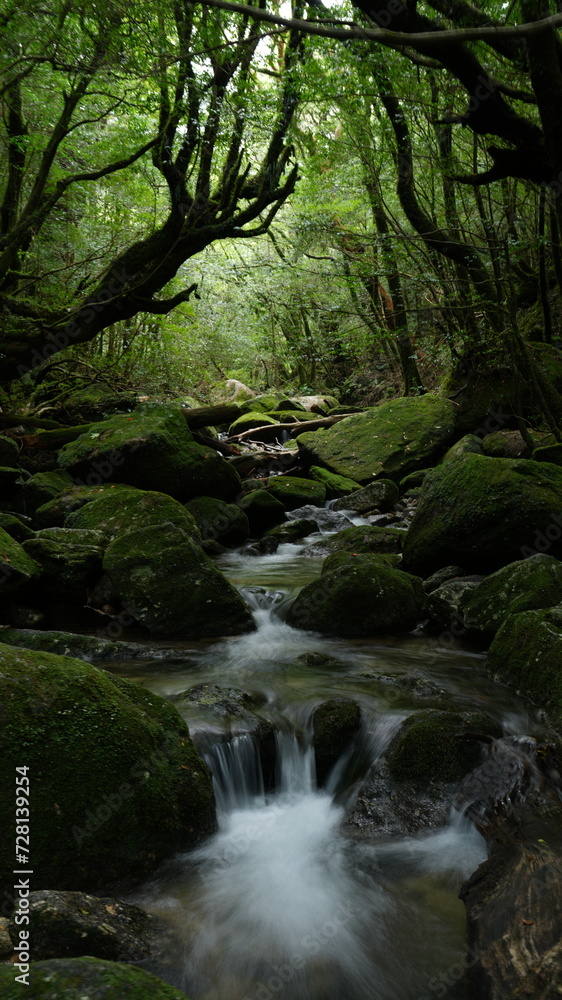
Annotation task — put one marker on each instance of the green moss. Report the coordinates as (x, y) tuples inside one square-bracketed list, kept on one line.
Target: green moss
[(430, 746), (70, 561), (85, 979), (267, 401), (122, 508), (171, 586), (390, 441), (16, 566), (468, 445), (116, 783), (335, 722), (527, 654), (361, 597), (293, 492), (15, 527), (54, 513), (336, 486), (83, 647), (43, 487), (248, 421), (337, 559), (520, 586), (150, 448), (262, 510), (482, 513), (365, 538), (293, 531), (226, 523)]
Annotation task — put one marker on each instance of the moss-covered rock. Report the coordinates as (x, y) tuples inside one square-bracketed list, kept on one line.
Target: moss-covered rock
[(505, 444), (361, 597), (17, 568), (116, 783), (334, 724), (432, 746), (468, 445), (267, 401), (54, 513), (387, 442), (381, 495), (521, 586), (85, 979), (336, 486), (344, 558), (293, 531), (150, 448), (443, 605), (548, 453), (169, 585), (123, 508), (224, 522), (262, 510), (70, 924), (82, 647), (365, 538), (293, 492), (9, 451), (249, 421), (15, 527), (526, 653), (70, 561), (485, 512), (41, 488)]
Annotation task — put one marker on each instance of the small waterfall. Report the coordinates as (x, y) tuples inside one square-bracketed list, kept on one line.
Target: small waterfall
[(237, 776)]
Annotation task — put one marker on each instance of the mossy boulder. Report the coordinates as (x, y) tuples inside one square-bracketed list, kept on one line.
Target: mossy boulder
[(170, 586), (54, 513), (483, 513), (526, 653), (70, 561), (468, 445), (15, 527), (85, 979), (521, 586), (505, 444), (293, 531), (70, 924), (334, 724), (364, 538), (548, 453), (293, 492), (336, 486), (386, 442), (17, 568), (381, 495), (42, 487), (438, 746), (82, 647), (123, 508), (443, 605), (149, 448), (344, 558), (361, 597), (267, 401), (224, 522), (263, 511), (116, 783), (249, 421)]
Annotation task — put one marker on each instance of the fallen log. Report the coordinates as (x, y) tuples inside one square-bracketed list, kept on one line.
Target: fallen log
[(211, 416), (294, 429)]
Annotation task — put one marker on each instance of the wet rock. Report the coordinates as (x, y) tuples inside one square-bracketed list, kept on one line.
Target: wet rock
[(223, 703), (82, 647), (365, 539), (443, 606), (522, 586), (388, 441), (404, 687), (219, 521), (382, 494), (386, 808), (71, 924), (88, 978), (442, 576), (438, 746), (359, 598), (293, 531), (334, 723), (150, 448), (326, 519), (171, 586), (116, 780), (526, 653), (483, 513), (262, 510)]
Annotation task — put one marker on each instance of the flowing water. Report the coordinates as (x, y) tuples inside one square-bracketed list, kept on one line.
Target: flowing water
[(285, 901)]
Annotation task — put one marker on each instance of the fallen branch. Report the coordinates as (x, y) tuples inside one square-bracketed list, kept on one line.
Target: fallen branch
[(293, 429)]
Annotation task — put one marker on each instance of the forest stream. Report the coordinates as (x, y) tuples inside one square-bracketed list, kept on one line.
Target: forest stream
[(287, 899)]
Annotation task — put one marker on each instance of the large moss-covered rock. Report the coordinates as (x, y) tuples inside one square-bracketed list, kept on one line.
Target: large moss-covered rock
[(116, 783), (15, 527), (85, 979), (437, 746), (150, 448), (70, 924), (335, 723), (483, 513), (169, 585), (41, 488), (17, 568), (224, 522), (249, 421), (390, 441), (262, 510), (381, 495), (336, 486), (365, 538), (123, 508), (468, 445), (267, 401), (293, 531), (526, 653), (362, 597), (54, 513), (293, 492), (70, 561), (521, 586), (83, 647)]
